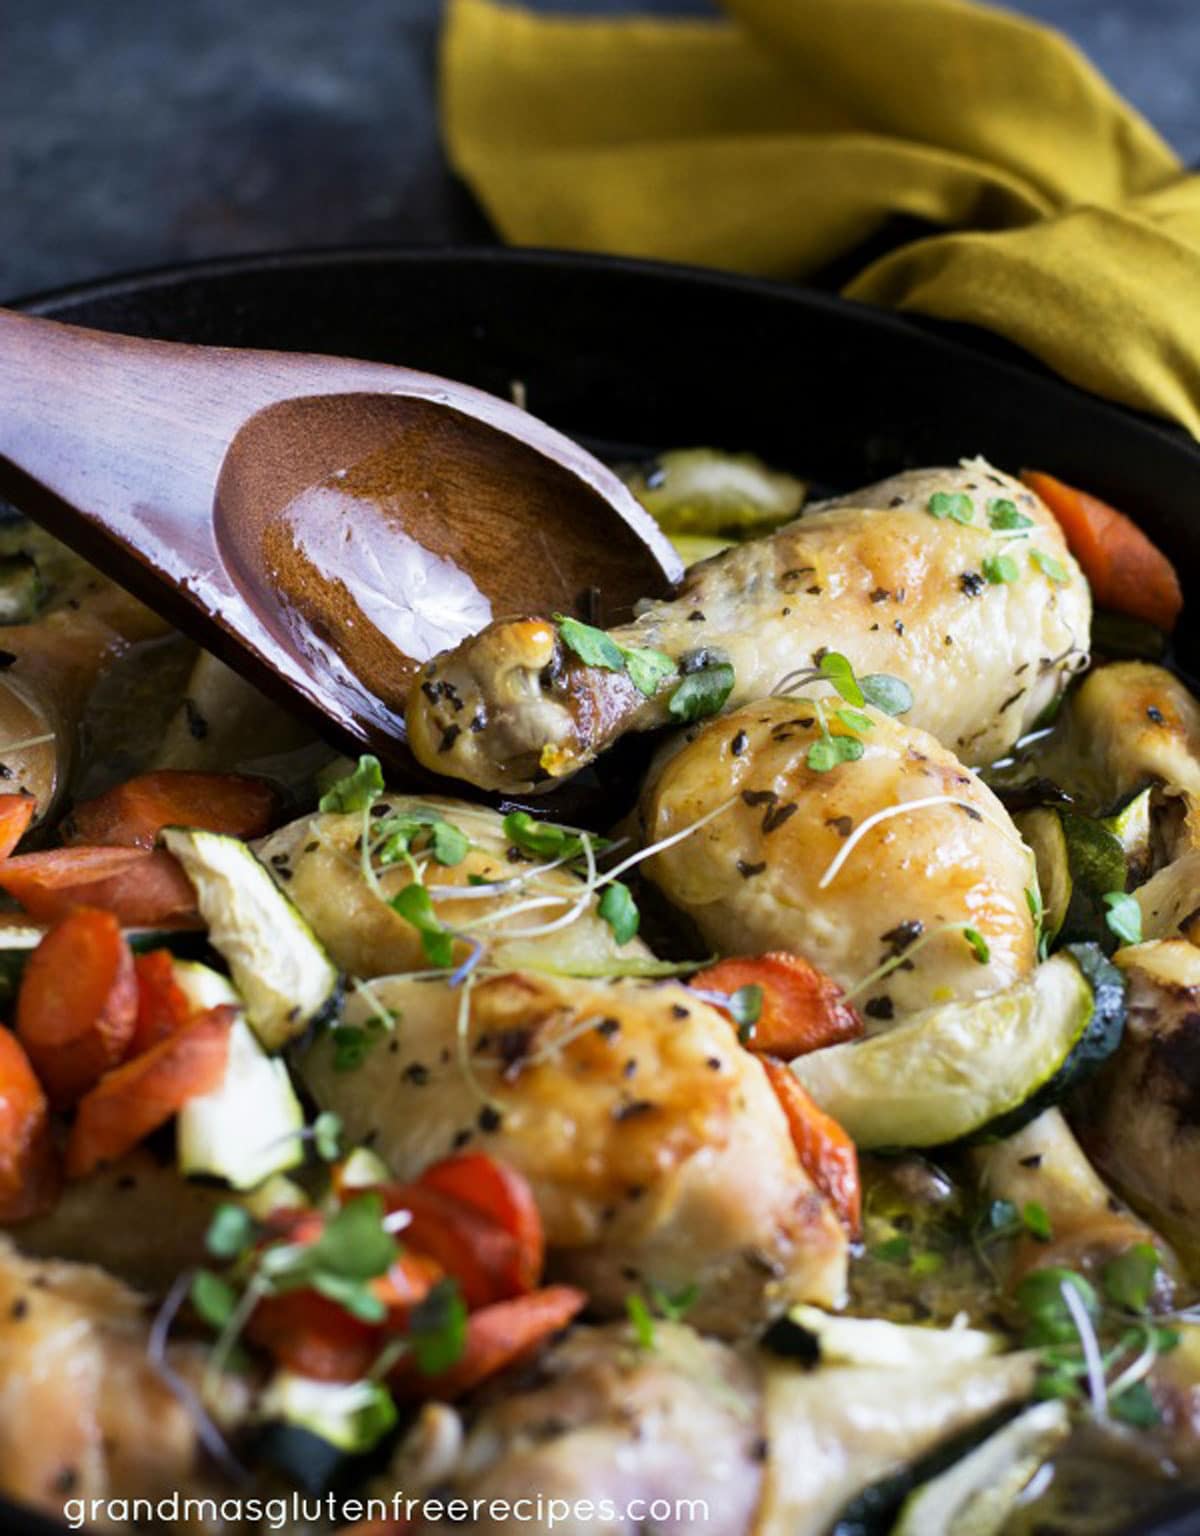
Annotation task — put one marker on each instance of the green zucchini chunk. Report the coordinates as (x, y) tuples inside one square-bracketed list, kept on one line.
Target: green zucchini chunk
[(973, 1069), (281, 972)]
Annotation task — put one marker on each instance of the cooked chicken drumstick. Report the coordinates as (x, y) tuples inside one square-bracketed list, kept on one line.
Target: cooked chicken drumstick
[(958, 581)]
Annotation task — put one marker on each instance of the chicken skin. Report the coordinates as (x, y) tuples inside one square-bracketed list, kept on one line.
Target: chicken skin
[(958, 581), (655, 1147), (792, 864), (318, 862)]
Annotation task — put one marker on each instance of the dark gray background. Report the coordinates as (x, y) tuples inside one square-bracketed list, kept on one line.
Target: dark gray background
[(134, 132)]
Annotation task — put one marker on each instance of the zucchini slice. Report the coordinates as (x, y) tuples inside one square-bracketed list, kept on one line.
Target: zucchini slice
[(977, 1495), (283, 975), (351, 1415), (247, 1128), (1042, 830), (963, 1069)]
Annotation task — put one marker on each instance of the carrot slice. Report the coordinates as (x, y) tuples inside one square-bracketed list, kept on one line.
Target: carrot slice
[(407, 1282), (480, 1255), (16, 812), (312, 1335), (802, 1008), (162, 1005), (502, 1195), (497, 1336), (137, 886), (826, 1152), (1125, 569), (134, 813), (29, 1173), (77, 1005), (131, 1101)]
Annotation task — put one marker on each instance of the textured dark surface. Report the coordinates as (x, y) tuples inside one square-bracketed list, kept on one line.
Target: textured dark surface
[(134, 132)]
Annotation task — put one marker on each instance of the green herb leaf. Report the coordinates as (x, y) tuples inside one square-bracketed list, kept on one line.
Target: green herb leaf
[(351, 1045), (836, 669), (674, 1308), (542, 838), (648, 669), (619, 910), (415, 905), (1049, 567), (1003, 515), (829, 751), (702, 693), (353, 1244), (1000, 569), (351, 1295), (230, 1232), (745, 1009), (593, 647), (1039, 1295), (855, 720), (1128, 1280), (955, 505), (890, 694), (642, 1321), (357, 790), (450, 844), (979, 945), (215, 1299), (895, 1250), (437, 1330), (327, 1134), (1036, 1221), (1124, 916), (1136, 1406)]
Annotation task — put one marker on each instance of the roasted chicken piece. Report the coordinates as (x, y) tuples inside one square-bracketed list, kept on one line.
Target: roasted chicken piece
[(605, 1421), (83, 1412), (655, 1146), (1140, 1119), (1042, 1164), (1128, 725), (318, 862), (895, 576), (689, 1435), (793, 864)]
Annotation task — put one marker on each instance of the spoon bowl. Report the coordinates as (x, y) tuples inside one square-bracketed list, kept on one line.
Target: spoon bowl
[(324, 525)]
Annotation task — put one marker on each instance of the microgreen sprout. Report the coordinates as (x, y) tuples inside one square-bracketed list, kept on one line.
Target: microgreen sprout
[(646, 668)]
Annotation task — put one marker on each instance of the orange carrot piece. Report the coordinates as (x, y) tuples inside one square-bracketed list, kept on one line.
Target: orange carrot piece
[(134, 813), (16, 812), (29, 1172), (502, 1195), (314, 1336), (802, 1008), (826, 1152), (139, 887), (480, 1255), (77, 1004), (497, 1336), (131, 1101), (1125, 569), (162, 1005)]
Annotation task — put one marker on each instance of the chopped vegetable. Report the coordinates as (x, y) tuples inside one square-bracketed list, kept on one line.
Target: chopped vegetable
[(78, 1002), (484, 1258), (135, 1099), (162, 1004), (497, 1336), (315, 1336), (134, 813), (16, 813), (708, 491), (503, 1196), (1125, 570), (802, 1009), (826, 1152), (28, 1161), (139, 887)]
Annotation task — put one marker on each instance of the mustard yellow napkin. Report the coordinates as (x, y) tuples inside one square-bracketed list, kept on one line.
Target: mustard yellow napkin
[(774, 141)]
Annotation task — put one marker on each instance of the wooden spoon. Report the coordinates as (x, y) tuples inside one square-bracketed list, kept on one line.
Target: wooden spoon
[(323, 525)]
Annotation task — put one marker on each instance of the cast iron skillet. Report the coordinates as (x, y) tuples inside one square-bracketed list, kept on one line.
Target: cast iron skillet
[(637, 356)]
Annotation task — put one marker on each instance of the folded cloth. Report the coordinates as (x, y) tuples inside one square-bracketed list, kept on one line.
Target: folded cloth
[(781, 138)]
